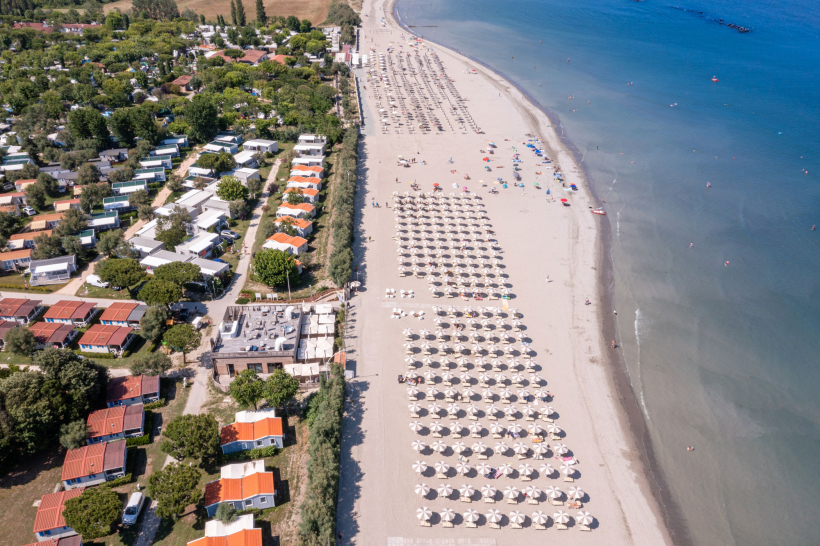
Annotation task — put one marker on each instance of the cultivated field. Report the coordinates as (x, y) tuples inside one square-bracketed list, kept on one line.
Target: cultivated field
[(313, 10)]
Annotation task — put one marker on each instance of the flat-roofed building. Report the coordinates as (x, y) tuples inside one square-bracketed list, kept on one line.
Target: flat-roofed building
[(146, 246), (239, 532), (127, 188), (308, 172), (162, 257), (261, 145), (52, 271)]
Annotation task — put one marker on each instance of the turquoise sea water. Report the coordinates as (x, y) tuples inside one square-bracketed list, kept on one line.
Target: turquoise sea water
[(724, 358)]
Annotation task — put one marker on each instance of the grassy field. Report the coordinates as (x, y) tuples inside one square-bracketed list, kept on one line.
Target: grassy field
[(18, 282), (314, 10)]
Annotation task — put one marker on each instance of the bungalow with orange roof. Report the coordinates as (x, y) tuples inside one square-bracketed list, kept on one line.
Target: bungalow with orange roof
[(183, 82), (49, 522), (303, 170), (124, 314), (26, 240), (310, 195), (52, 334), (301, 210), (249, 490), (94, 464), (303, 227), (281, 58), (107, 339), (45, 221), (20, 309), (14, 198), (252, 429), (78, 313), (16, 259), (14, 210), (62, 206), (21, 185), (292, 245), (305, 182), (253, 57), (239, 532), (132, 389), (109, 424)]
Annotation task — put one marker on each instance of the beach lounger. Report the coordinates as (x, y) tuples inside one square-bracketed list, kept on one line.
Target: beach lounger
[(531, 500), (498, 474), (512, 501), (447, 524), (556, 502), (471, 524), (490, 500), (560, 526), (425, 524), (583, 527), (539, 527), (494, 526), (568, 479)]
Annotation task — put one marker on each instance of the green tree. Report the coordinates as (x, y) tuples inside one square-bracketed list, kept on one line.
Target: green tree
[(108, 242), (225, 513), (231, 189), (182, 338), (234, 53), (154, 322), (48, 183), (340, 266), (143, 125), (174, 487), (247, 389), (73, 434), (274, 267), (47, 247), (255, 186), (19, 341), (261, 16), (73, 222), (220, 162), (88, 123), (233, 13), (192, 436), (34, 418), (139, 198), (88, 174), (201, 116), (93, 195), (120, 124), (295, 197), (173, 229), (179, 273), (156, 363), (120, 272), (159, 292), (94, 513), (9, 224), (35, 196), (145, 212), (81, 381), (240, 14), (280, 387)]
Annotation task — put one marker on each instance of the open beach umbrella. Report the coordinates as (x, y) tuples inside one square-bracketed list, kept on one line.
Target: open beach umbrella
[(445, 490), (501, 448), (553, 492), (416, 426), (475, 428), (535, 428), (488, 491), (459, 447), (517, 517), (411, 361), (484, 377), (506, 469), (407, 332), (432, 392), (492, 409), (518, 378), (469, 392), (436, 427), (408, 347), (514, 428), (501, 378), (422, 489), (472, 409), (506, 394), (414, 407), (424, 513), (456, 427), (496, 428), (584, 518), (442, 467), (540, 449), (575, 493), (561, 517), (466, 490), (429, 374), (434, 408), (567, 469), (450, 392), (463, 468), (539, 517), (483, 468), (447, 375), (561, 449), (510, 411), (418, 445), (412, 392), (532, 491), (419, 466), (412, 374), (471, 515), (479, 447), (546, 469), (511, 492), (447, 514), (553, 429), (439, 446), (525, 469), (488, 394), (493, 516), (548, 410), (520, 448)]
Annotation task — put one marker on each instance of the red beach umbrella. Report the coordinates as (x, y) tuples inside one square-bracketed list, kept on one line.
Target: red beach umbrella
[(563, 200), (486, 159)]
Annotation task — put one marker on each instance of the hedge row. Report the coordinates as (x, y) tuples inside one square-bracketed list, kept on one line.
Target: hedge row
[(343, 207), (44, 289), (255, 453), (318, 510), (97, 356), (143, 440), (154, 405)]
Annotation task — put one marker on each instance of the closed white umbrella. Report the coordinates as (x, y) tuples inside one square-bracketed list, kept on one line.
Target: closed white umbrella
[(419, 445), (424, 513), (584, 518), (546, 469), (517, 517), (561, 449), (561, 517), (439, 446), (445, 490), (463, 468), (525, 469), (575, 493), (416, 426), (493, 516), (539, 518), (448, 514), (419, 466), (553, 492), (471, 515), (422, 489), (442, 467)]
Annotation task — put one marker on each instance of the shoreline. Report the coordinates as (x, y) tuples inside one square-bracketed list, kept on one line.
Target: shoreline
[(631, 412)]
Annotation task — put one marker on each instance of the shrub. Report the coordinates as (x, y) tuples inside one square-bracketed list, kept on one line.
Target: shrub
[(242, 301), (97, 356), (126, 353), (155, 405), (120, 481), (251, 454), (143, 440)]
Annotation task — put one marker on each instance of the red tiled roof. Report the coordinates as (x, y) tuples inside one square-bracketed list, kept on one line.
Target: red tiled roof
[(15, 255), (120, 388), (245, 537), (309, 179), (29, 235), (50, 332), (307, 191), (106, 421), (105, 335), (247, 432), (298, 222), (280, 58), (16, 307), (306, 168), (228, 489), (118, 311), (253, 56), (50, 511), (66, 309), (182, 80), (287, 239), (83, 461)]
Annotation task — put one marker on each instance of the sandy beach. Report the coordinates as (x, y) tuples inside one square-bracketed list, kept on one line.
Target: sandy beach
[(550, 262)]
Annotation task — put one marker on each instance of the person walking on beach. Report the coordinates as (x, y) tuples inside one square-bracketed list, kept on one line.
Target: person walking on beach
[(614, 344)]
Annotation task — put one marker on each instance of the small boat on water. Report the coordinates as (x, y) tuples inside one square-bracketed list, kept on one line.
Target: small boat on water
[(715, 79), (602, 212)]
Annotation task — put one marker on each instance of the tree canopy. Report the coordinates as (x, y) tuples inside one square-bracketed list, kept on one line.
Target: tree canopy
[(192, 437), (182, 338), (231, 189), (121, 272), (274, 267), (247, 389), (94, 513), (179, 273), (174, 487), (160, 292)]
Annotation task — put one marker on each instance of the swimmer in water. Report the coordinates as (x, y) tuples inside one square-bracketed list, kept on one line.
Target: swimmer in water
[(726, 264), (708, 184), (691, 245), (690, 448)]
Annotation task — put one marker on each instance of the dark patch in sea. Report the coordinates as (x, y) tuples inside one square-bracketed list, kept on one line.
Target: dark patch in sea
[(703, 15)]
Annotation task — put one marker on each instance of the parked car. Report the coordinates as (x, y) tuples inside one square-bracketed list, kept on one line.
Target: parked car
[(30, 211), (228, 234), (8, 187), (95, 280), (183, 313), (133, 509)]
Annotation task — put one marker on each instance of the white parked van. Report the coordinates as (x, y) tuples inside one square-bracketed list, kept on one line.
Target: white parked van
[(133, 509), (95, 280)]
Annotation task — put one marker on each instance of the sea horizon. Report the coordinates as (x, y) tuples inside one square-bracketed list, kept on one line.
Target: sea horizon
[(713, 271)]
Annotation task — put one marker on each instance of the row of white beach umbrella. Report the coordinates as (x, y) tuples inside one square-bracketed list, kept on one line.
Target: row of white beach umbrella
[(516, 517), (510, 492)]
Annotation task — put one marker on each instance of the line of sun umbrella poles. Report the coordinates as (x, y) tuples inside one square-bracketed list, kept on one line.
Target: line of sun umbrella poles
[(477, 364)]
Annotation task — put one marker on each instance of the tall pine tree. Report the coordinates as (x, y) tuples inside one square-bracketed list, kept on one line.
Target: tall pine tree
[(233, 12), (240, 14), (261, 16)]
